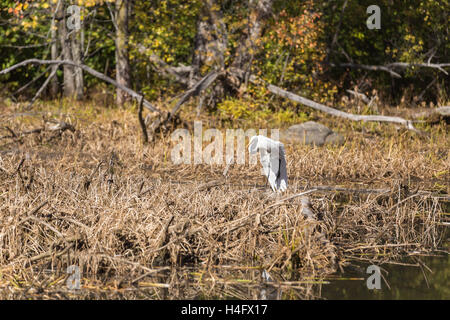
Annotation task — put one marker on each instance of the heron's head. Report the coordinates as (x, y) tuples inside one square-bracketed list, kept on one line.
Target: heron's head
[(253, 145)]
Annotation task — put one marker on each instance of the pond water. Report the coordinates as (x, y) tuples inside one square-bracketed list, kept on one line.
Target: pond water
[(430, 280), (415, 277), (400, 282)]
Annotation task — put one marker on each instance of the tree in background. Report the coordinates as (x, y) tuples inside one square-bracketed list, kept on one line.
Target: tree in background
[(122, 43), (213, 48)]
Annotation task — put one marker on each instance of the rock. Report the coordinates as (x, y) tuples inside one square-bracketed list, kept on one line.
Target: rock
[(434, 115), (444, 111), (311, 133), (335, 138)]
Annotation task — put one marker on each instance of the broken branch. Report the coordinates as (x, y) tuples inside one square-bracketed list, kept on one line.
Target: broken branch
[(142, 122)]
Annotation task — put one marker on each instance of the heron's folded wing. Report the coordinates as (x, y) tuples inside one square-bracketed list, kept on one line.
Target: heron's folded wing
[(274, 163), (270, 157), (282, 174)]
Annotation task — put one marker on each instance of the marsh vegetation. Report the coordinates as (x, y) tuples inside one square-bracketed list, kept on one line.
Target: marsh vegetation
[(139, 226)]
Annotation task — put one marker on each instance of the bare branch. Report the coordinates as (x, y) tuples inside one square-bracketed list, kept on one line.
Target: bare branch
[(113, 16), (359, 95), (31, 82), (89, 70), (179, 73), (42, 88), (200, 86), (29, 46), (338, 28), (369, 67), (142, 122), (439, 66), (389, 67)]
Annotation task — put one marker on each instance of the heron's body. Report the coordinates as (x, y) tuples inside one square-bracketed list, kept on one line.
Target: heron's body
[(273, 160)]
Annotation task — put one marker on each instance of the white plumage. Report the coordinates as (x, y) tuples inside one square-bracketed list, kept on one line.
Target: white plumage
[(273, 160)]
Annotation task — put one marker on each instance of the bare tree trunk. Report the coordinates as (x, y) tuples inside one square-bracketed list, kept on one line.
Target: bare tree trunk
[(78, 72), (54, 54), (259, 11), (69, 79), (210, 41), (122, 58)]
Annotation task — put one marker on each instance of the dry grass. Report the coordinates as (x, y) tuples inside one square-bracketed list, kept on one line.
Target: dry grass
[(98, 199)]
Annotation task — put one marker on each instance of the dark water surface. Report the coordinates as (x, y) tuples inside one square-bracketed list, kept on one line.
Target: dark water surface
[(403, 282), (429, 280)]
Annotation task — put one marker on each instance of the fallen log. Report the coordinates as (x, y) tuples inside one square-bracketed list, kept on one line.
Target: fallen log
[(338, 113)]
